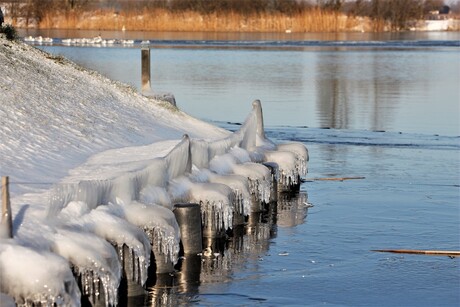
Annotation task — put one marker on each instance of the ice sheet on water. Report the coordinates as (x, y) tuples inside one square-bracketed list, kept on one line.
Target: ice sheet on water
[(33, 276)]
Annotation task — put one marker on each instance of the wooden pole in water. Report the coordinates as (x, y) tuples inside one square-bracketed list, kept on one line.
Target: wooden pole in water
[(420, 252), (7, 220), (145, 80)]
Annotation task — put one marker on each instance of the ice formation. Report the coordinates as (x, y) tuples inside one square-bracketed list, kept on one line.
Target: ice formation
[(301, 154), (104, 222), (160, 225), (94, 260), (292, 160), (259, 176), (239, 185), (32, 276), (128, 203), (116, 207)]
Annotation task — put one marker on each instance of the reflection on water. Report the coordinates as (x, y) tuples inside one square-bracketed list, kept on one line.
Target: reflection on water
[(222, 258), (403, 88)]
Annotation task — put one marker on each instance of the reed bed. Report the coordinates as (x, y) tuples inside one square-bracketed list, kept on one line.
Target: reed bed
[(314, 20)]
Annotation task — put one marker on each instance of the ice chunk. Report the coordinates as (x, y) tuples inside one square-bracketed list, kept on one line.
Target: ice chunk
[(37, 277), (159, 223), (259, 176), (241, 155), (260, 179), (287, 163), (94, 259), (119, 232), (301, 153), (106, 224), (156, 195), (240, 187)]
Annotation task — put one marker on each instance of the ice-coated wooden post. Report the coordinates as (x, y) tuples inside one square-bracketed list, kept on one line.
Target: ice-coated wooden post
[(188, 217), (145, 58), (274, 169), (7, 221), (257, 106)]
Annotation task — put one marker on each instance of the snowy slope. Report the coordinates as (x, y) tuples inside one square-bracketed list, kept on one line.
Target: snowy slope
[(54, 115), (61, 123)]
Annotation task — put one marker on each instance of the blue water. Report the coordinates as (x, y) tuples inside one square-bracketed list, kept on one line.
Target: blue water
[(401, 88), (409, 199), (382, 107)]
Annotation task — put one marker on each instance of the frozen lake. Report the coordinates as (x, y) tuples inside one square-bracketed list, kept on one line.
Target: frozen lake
[(391, 106)]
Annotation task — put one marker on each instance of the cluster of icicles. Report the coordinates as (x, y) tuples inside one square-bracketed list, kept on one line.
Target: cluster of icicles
[(92, 227)]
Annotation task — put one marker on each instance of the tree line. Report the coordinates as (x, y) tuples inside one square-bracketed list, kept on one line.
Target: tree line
[(394, 12)]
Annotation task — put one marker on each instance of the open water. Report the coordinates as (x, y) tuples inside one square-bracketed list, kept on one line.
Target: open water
[(384, 108)]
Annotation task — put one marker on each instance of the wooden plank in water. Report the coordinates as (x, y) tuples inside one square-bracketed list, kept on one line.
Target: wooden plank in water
[(420, 252), (332, 178)]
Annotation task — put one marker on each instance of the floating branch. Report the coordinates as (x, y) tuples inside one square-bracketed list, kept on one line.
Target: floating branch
[(331, 179), (420, 252)]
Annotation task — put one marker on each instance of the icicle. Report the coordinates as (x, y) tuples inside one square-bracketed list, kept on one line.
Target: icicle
[(240, 188), (287, 163), (260, 180), (159, 224), (217, 201), (179, 160)]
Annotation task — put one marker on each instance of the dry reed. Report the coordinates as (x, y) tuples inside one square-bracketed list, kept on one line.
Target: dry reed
[(314, 20)]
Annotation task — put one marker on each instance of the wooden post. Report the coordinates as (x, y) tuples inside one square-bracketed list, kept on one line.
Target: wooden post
[(145, 80), (188, 217), (257, 105), (7, 221)]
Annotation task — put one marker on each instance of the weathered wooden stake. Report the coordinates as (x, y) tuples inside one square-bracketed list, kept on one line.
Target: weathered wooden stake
[(188, 217), (7, 220), (145, 58)]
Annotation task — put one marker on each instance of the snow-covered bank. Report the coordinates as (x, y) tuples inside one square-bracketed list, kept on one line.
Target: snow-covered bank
[(54, 115), (104, 216)]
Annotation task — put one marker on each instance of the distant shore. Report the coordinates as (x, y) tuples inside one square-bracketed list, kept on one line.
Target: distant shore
[(190, 21)]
